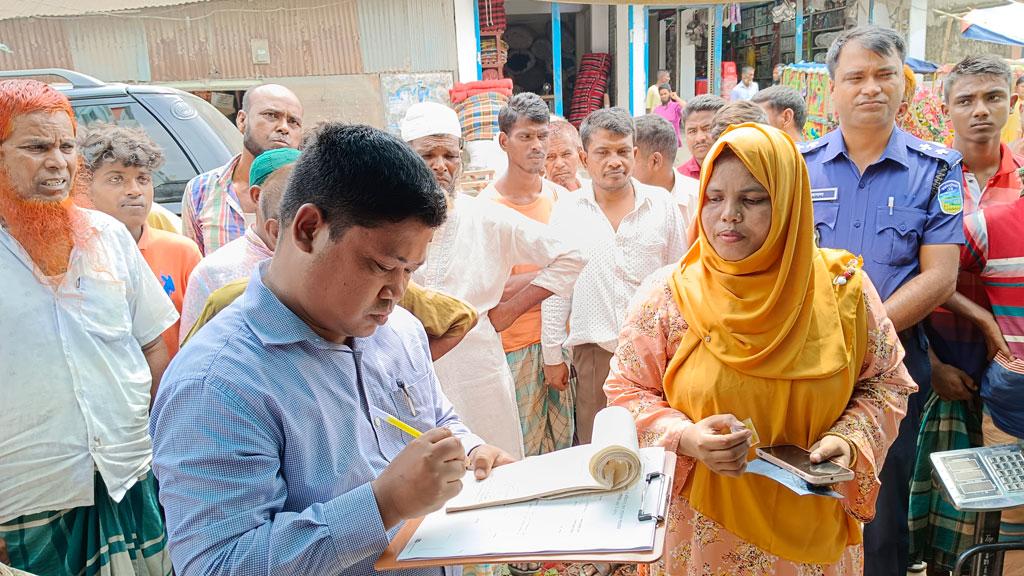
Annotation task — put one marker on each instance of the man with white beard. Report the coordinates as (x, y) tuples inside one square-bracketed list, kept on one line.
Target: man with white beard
[(471, 257)]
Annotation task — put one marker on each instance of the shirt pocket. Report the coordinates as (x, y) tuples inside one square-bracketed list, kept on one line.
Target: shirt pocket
[(825, 216), (643, 257), (410, 403), (898, 232), (103, 309)]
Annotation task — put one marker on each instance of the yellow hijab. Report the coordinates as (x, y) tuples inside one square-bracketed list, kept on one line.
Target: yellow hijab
[(775, 338)]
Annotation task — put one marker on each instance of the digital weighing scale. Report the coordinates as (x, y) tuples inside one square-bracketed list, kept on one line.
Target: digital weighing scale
[(987, 481)]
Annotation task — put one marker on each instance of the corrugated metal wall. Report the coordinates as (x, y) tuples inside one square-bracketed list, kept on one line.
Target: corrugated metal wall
[(408, 35), (34, 44), (109, 51), (213, 40), (305, 38)]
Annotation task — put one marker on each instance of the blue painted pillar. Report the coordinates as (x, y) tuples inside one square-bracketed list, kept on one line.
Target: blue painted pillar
[(629, 51), (798, 39), (476, 26), (716, 72), (647, 52), (556, 54), (637, 60)]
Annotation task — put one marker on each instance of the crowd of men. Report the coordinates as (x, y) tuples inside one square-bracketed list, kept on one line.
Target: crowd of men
[(288, 319)]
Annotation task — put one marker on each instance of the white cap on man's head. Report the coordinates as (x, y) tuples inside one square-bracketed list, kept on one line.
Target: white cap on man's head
[(430, 119)]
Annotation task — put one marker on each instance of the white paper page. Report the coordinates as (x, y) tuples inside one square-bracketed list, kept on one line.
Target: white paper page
[(614, 426), (591, 523), (535, 475), (615, 460)]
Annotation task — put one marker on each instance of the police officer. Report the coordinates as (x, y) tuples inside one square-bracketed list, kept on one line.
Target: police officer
[(895, 200)]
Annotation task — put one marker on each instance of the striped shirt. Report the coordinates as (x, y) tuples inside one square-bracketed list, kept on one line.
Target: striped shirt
[(964, 343), (995, 252), (1002, 188), (210, 212)]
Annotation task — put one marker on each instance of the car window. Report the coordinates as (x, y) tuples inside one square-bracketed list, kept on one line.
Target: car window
[(217, 121), (169, 182)]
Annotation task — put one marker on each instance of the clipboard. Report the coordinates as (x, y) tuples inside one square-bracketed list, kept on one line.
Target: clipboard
[(657, 512)]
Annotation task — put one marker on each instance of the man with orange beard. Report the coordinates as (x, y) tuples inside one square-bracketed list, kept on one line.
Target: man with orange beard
[(80, 346)]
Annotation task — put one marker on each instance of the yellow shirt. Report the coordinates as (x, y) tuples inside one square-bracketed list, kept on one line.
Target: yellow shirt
[(653, 98), (1011, 131), (161, 218), (442, 315)]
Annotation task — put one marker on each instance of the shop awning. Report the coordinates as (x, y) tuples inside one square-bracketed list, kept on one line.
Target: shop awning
[(922, 66), (1000, 24), (653, 2)]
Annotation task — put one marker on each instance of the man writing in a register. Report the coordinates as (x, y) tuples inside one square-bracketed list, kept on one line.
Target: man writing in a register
[(269, 443)]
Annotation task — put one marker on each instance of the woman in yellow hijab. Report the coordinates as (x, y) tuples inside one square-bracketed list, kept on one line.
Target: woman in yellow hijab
[(757, 322)]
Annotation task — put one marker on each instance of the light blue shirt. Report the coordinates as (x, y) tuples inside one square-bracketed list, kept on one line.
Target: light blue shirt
[(887, 213), (264, 446)]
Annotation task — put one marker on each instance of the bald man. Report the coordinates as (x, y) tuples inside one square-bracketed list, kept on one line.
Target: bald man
[(217, 207)]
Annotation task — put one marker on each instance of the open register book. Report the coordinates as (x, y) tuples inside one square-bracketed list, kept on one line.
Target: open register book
[(609, 463), (621, 526)]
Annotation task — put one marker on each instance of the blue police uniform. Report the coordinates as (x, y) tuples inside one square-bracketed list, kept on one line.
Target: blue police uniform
[(911, 196)]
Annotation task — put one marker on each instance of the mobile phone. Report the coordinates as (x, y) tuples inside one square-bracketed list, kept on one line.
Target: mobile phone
[(798, 461)]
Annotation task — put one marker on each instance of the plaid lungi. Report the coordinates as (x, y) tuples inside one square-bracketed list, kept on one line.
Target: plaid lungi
[(546, 415), (938, 531), (109, 538)]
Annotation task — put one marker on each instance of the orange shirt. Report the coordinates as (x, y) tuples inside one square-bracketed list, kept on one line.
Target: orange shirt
[(525, 331), (171, 257)]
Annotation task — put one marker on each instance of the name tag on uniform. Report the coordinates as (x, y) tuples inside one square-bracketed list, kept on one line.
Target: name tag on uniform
[(824, 194)]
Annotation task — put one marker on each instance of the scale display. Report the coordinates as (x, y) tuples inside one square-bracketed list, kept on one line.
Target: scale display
[(980, 479)]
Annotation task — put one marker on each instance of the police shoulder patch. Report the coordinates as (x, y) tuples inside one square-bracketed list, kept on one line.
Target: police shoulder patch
[(937, 151), (806, 147), (934, 149), (951, 197)]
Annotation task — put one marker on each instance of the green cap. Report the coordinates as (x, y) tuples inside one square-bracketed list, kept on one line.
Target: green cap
[(268, 162)]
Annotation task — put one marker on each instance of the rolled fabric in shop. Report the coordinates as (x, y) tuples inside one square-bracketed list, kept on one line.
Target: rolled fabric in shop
[(519, 37), (541, 48)]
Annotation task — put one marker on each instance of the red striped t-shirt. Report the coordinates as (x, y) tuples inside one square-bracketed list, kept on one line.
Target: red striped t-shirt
[(994, 250), (964, 341)]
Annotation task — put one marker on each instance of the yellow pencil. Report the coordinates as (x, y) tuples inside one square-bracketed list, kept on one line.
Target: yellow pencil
[(382, 415), (403, 426)]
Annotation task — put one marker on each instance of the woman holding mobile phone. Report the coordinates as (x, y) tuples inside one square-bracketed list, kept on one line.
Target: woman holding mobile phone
[(757, 322)]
